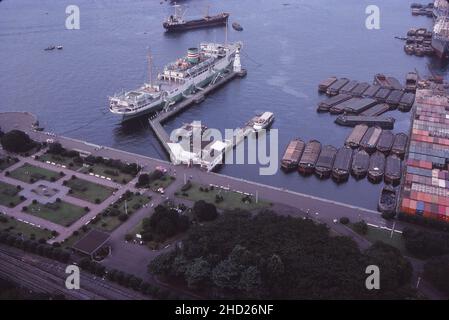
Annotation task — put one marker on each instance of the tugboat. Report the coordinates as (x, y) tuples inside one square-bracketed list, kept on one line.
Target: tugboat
[(176, 22), (387, 201)]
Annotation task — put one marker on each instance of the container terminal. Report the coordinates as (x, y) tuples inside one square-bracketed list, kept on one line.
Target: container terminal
[(425, 189)]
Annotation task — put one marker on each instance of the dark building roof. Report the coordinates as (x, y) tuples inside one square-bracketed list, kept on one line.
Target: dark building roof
[(91, 242)]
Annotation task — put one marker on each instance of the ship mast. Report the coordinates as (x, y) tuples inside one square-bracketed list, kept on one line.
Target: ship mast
[(150, 67), (207, 11)]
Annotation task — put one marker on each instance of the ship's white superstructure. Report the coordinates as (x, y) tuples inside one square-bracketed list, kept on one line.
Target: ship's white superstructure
[(264, 121), (201, 66)]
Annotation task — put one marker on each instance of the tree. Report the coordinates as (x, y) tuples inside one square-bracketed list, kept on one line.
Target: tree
[(425, 244), (197, 272), (360, 227), (144, 180), (55, 148), (436, 271), (17, 141), (204, 211)]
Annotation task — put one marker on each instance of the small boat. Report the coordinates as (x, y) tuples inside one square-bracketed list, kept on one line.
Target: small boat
[(292, 155), (50, 48), (360, 164), (376, 167), (59, 47), (325, 162), (264, 121), (309, 157), (236, 26), (387, 200)]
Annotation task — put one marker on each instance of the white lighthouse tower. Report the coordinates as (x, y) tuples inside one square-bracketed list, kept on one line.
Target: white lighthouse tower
[(237, 64)]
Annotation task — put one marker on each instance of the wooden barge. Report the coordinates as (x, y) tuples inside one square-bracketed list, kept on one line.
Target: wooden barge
[(388, 201), (340, 107), (385, 142), (360, 89), (347, 88), (342, 164), (382, 94), (369, 140), (309, 157), (356, 135), (376, 167), (292, 155), (360, 164), (326, 83), (376, 110), (325, 105), (399, 145), (336, 86), (394, 98), (393, 170), (371, 91), (351, 121), (387, 82), (325, 162), (406, 102), (359, 105)]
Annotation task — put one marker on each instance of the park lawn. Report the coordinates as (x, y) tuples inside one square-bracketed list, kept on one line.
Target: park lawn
[(30, 174), (6, 162), (62, 213), (21, 228), (61, 160), (113, 173), (231, 199), (377, 234), (9, 195), (89, 191), (163, 182)]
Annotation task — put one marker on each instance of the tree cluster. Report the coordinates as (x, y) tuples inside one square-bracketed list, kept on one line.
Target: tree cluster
[(241, 255), (17, 141), (425, 244)]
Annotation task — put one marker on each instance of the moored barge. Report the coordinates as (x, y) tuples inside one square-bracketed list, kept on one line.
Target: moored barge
[(376, 110), (394, 98), (339, 108), (411, 80), (356, 135), (371, 91), (342, 164), (309, 157), (376, 167), (399, 145), (325, 105), (351, 121), (347, 88), (334, 89), (326, 83), (393, 170), (292, 155), (369, 140), (360, 164), (359, 105), (325, 162), (406, 102), (388, 201), (385, 142), (382, 94), (360, 89)]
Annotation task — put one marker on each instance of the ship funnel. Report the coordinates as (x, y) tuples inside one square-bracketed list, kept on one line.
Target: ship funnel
[(193, 55)]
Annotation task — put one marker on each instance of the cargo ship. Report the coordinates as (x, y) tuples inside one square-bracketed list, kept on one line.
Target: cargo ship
[(179, 79), (309, 157), (292, 155), (440, 37), (176, 22)]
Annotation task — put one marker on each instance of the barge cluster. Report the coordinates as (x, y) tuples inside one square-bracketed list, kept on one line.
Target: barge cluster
[(368, 151)]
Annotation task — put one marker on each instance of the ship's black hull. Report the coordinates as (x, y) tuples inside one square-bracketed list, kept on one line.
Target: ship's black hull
[(196, 24)]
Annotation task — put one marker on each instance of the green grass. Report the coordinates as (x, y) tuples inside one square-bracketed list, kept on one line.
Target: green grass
[(377, 234), (61, 160), (9, 195), (89, 191), (163, 182), (231, 199), (29, 174), (6, 162), (17, 227), (62, 213), (113, 173)]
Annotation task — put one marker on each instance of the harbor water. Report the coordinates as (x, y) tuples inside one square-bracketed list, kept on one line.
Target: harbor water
[(289, 47)]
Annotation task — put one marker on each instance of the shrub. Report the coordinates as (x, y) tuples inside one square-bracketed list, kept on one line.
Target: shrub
[(360, 227), (344, 220)]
